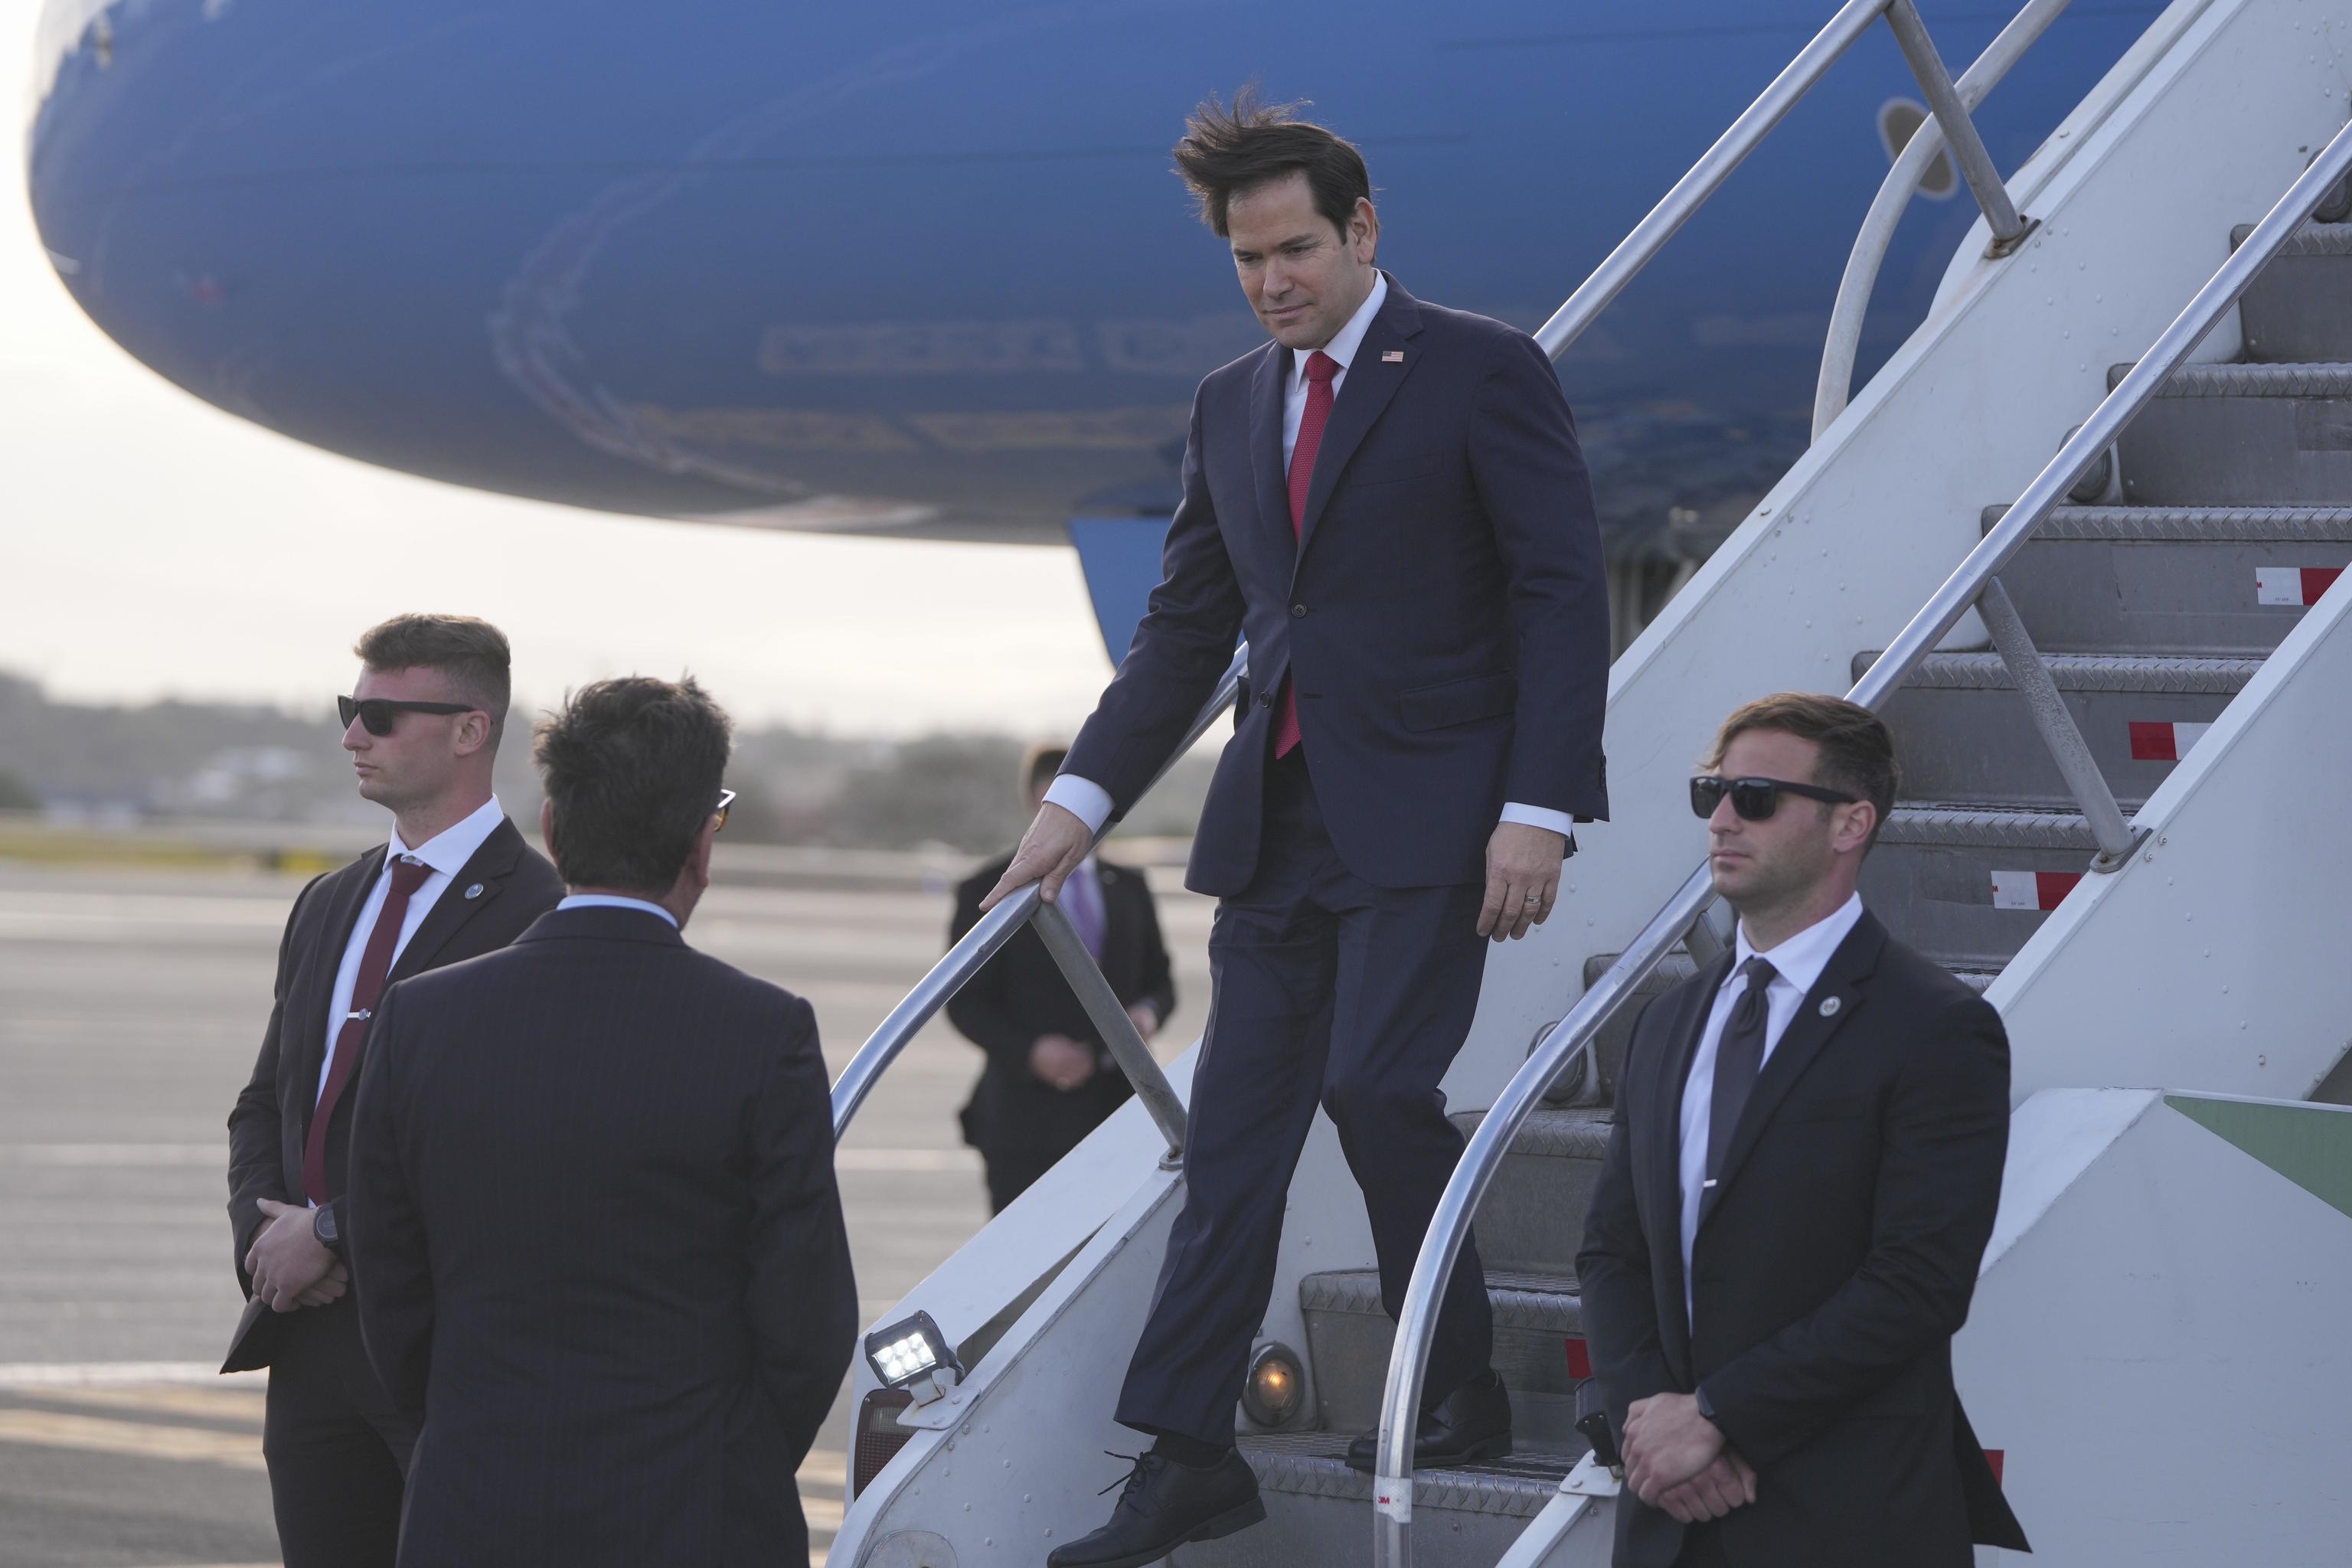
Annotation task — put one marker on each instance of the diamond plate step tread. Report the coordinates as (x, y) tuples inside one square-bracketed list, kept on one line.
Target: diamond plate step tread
[(1976, 980), (1542, 1302), (2080, 672), (1987, 827), (2330, 379), (2191, 524), (2311, 239), (1314, 1464), (1574, 1134)]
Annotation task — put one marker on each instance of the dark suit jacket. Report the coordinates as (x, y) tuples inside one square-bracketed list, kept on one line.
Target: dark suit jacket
[(597, 1245), (1443, 612), (1020, 993), (271, 1122), (1834, 1263)]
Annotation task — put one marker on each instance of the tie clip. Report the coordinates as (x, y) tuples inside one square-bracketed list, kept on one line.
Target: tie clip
[(364, 1012), (1708, 1182)]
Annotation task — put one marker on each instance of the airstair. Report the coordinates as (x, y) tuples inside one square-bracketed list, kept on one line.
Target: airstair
[(2117, 677)]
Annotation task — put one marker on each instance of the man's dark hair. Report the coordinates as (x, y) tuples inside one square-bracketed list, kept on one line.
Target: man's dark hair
[(470, 651), (633, 768), (1040, 763), (1225, 151), (1857, 752)]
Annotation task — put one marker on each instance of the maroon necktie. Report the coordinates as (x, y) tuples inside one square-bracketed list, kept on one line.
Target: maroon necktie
[(1320, 368), (407, 876)]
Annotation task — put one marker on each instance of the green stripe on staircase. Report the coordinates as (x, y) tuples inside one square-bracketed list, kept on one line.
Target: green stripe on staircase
[(2310, 1145)]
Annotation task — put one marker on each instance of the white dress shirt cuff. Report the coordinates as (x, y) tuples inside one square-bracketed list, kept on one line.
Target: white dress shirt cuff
[(1082, 798), (1559, 822)]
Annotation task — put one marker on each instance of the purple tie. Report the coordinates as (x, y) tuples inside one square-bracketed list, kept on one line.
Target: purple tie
[(1087, 909)]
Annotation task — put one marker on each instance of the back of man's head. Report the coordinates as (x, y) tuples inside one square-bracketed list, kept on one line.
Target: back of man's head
[(468, 652), (633, 770)]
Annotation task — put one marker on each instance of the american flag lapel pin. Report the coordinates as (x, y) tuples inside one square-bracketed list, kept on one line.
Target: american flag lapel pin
[(1395, 356)]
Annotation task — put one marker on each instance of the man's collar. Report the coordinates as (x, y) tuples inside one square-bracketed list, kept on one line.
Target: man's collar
[(1800, 959), (448, 850), (614, 901), (1350, 338)]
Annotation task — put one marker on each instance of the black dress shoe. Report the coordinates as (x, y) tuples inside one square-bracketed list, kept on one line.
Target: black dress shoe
[(1470, 1424), (1164, 1505)]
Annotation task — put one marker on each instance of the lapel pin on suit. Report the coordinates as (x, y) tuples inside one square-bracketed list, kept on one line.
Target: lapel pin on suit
[(474, 891), (1395, 356), (1830, 1005)]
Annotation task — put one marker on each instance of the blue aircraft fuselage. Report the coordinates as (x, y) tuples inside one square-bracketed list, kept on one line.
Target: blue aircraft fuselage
[(924, 267)]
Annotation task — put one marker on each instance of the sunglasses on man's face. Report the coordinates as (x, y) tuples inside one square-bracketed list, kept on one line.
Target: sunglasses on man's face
[(1753, 800), (381, 713), (726, 805)]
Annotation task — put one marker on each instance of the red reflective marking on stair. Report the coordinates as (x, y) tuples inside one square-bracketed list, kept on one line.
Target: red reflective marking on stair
[(2054, 886), (2317, 580), (2152, 743), (1993, 1458), (1579, 1358)]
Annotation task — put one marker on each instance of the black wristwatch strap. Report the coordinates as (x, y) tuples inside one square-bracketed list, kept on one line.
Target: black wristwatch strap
[(1706, 1406)]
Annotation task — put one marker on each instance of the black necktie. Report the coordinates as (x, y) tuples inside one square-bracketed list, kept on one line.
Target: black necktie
[(1736, 1058)]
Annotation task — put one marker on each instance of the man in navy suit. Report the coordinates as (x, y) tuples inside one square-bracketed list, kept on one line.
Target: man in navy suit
[(1389, 501), (593, 1228)]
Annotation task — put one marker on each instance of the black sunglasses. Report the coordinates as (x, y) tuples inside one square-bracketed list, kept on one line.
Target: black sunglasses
[(381, 713), (726, 803), (1753, 800)]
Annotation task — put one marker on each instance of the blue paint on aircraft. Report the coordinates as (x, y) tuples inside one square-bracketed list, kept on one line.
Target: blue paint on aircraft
[(921, 267)]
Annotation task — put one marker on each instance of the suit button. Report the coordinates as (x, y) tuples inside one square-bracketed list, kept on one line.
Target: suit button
[(1297, 612), (1266, 699)]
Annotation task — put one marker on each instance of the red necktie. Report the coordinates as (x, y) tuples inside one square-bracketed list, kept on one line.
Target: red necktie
[(1320, 368), (375, 963)]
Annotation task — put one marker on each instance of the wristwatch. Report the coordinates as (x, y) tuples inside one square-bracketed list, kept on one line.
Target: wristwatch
[(322, 1226)]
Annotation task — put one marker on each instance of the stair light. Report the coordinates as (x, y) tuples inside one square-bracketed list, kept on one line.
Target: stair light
[(1276, 1389), (914, 1355)]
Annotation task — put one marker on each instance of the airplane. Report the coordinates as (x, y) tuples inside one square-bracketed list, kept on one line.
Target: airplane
[(923, 269)]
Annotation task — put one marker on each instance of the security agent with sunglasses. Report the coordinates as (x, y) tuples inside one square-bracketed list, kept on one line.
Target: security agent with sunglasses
[(457, 880), (593, 1227), (1801, 1180)]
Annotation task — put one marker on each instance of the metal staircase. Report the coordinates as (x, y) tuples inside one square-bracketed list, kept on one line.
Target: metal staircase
[(2229, 512)]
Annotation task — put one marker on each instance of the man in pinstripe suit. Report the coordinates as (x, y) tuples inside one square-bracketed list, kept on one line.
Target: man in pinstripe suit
[(592, 1221)]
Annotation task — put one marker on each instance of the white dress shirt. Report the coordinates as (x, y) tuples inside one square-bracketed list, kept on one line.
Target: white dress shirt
[(446, 853), (614, 901), (1797, 965), (1088, 800)]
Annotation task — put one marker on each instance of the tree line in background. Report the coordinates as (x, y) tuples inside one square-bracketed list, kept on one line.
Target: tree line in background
[(98, 763)]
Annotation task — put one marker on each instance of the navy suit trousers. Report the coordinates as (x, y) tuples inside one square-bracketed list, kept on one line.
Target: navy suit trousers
[(1330, 989)]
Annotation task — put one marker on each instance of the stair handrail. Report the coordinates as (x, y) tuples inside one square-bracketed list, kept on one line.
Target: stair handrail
[(996, 928), (1572, 1037), (1834, 384), (1690, 192)]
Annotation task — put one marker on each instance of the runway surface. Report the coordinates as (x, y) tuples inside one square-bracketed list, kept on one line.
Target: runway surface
[(132, 1003)]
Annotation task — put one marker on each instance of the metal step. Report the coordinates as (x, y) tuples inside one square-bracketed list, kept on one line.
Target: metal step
[(2213, 581), (2300, 306), (1319, 1511), (1963, 735), (1609, 1045), (1967, 885), (1532, 1217), (1349, 1336), (2243, 435)]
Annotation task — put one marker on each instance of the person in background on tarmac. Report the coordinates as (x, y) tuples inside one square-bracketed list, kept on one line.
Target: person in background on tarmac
[(1050, 1081)]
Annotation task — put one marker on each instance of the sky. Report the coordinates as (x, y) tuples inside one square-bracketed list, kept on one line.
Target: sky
[(151, 545)]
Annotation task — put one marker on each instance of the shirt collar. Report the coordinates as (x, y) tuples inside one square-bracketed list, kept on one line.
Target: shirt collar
[(614, 901), (1800, 959), (448, 850), (1350, 338)]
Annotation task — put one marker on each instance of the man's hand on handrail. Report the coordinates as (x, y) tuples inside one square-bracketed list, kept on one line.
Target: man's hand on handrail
[(1055, 846)]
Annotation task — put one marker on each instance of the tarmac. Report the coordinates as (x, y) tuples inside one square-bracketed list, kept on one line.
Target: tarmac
[(131, 1003)]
